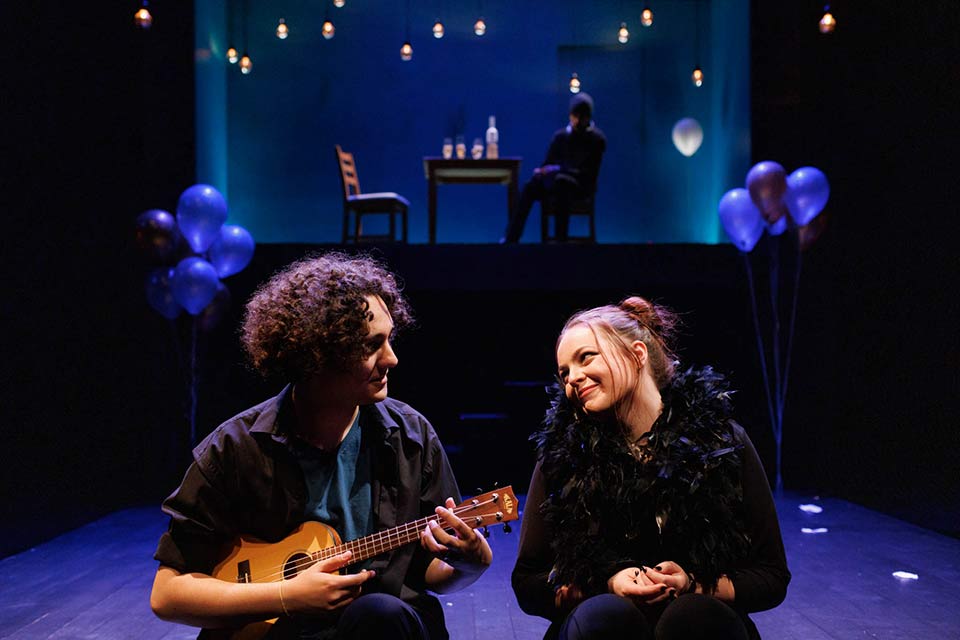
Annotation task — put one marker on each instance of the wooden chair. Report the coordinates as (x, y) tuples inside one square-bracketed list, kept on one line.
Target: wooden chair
[(361, 204), (582, 207)]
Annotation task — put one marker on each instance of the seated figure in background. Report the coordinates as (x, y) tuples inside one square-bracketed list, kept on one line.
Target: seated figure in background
[(569, 172)]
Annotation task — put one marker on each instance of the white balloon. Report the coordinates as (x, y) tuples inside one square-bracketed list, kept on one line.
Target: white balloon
[(687, 136)]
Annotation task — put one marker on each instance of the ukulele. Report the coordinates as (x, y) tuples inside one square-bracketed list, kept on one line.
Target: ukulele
[(252, 560)]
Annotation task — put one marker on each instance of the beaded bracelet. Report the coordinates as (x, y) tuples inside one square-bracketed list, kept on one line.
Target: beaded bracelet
[(283, 605)]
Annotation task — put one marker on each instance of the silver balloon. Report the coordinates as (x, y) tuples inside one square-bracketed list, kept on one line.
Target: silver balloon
[(687, 136)]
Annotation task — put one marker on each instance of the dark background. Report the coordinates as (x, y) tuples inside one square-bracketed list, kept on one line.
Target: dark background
[(98, 126)]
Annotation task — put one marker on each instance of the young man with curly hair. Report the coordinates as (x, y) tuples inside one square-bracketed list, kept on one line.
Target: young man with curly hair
[(330, 447)]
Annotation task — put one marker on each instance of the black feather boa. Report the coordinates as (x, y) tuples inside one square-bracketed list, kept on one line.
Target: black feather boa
[(683, 503)]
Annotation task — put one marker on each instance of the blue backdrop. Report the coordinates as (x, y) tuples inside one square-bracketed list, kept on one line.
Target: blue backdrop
[(267, 139)]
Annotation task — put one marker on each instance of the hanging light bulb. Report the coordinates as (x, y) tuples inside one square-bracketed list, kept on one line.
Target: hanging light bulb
[(327, 30), (697, 76), (406, 52), (574, 83), (646, 17), (232, 55), (246, 65), (827, 23), (339, 3), (623, 35), (438, 29), (282, 30), (142, 17), (480, 27)]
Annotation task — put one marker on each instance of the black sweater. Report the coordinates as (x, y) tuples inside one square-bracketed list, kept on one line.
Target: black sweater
[(760, 579)]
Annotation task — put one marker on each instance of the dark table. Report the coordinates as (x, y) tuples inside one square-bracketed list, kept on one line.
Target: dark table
[(453, 171)]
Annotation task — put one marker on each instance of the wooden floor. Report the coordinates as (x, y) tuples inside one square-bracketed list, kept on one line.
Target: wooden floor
[(95, 581)]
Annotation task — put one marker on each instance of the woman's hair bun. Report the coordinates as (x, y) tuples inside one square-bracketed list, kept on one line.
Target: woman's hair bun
[(643, 311)]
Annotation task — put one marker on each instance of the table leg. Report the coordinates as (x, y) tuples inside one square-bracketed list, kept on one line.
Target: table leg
[(512, 189), (432, 207)]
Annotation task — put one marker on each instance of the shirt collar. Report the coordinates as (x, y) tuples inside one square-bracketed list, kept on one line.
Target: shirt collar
[(277, 417)]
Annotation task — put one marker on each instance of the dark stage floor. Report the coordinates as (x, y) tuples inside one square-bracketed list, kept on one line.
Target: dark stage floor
[(94, 582)]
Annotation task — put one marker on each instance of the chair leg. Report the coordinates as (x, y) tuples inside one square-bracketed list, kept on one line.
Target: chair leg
[(404, 223), (346, 224), (358, 229)]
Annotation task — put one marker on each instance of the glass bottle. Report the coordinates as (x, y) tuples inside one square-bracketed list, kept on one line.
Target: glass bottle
[(476, 151), (493, 139)]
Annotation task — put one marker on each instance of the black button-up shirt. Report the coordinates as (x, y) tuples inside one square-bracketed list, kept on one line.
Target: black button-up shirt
[(245, 480)]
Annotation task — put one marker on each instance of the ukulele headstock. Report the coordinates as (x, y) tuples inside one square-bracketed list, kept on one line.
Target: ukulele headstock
[(493, 507)]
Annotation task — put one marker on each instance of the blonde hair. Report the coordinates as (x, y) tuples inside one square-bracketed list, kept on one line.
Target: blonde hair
[(634, 318)]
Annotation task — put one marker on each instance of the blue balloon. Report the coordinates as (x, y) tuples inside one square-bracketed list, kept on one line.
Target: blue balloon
[(232, 250), (194, 284), (807, 194), (778, 227), (160, 292), (201, 212), (741, 219)]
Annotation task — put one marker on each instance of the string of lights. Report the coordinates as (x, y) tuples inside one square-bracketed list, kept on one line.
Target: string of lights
[(143, 19)]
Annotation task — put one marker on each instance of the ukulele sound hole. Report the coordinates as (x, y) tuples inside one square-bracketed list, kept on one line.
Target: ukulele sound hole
[(294, 564)]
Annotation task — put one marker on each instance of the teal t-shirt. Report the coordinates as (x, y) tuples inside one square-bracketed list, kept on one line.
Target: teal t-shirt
[(338, 486)]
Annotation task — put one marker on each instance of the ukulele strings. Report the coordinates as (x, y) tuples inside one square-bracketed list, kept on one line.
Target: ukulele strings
[(397, 533)]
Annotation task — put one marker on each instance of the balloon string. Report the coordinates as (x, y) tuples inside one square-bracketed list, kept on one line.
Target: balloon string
[(774, 243), (789, 349), (762, 352), (193, 382), (176, 338)]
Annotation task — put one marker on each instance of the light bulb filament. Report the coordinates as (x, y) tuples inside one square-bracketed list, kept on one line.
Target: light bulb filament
[(697, 76), (327, 29), (827, 23), (142, 18), (646, 17)]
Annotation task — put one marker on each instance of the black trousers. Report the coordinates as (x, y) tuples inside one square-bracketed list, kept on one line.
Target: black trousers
[(372, 615), (690, 617), (543, 187)]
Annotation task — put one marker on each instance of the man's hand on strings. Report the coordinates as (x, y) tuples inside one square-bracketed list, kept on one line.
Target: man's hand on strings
[(453, 540), (319, 588)]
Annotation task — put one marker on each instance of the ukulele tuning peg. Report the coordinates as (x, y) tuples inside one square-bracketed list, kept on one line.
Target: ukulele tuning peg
[(486, 532), (507, 528)]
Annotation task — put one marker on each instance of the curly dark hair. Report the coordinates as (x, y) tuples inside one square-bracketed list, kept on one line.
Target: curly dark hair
[(312, 316)]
